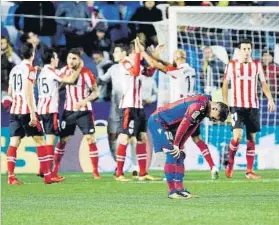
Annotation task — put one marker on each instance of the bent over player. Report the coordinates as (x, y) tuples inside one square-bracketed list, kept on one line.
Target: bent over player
[(179, 120), (244, 74), (182, 80)]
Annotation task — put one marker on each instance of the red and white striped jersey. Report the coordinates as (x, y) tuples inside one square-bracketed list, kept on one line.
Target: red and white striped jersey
[(19, 76), (131, 84), (79, 91), (48, 88), (182, 81), (244, 79)]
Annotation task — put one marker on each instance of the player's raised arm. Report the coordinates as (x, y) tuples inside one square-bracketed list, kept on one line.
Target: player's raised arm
[(156, 52), (266, 90), (134, 69), (152, 62), (225, 87)]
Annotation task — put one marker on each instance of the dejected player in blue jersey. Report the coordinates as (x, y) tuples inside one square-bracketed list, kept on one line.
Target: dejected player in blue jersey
[(179, 120)]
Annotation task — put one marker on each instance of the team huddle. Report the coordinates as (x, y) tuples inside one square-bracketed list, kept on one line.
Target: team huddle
[(170, 125)]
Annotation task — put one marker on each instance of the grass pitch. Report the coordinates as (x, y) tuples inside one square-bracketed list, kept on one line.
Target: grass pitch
[(82, 200)]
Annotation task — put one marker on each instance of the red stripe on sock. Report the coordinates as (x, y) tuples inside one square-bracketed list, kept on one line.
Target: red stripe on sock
[(50, 153), (11, 164), (94, 158), (250, 155), (179, 169), (141, 149), (58, 158), (170, 168), (121, 151)]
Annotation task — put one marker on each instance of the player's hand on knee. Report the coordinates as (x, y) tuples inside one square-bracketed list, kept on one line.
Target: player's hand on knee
[(175, 152)]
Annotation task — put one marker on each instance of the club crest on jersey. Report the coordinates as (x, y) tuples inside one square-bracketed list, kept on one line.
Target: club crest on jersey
[(195, 115)]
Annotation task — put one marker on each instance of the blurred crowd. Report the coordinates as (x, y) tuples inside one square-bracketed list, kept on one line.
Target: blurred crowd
[(84, 25)]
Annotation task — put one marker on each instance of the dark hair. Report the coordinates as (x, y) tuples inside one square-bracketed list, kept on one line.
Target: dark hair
[(99, 52), (75, 51), (224, 111), (269, 51), (122, 47), (26, 51), (48, 55), (24, 38), (245, 41)]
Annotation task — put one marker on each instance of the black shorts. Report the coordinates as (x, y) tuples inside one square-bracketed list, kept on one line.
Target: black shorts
[(245, 116), (133, 121), (83, 119), (19, 126), (50, 123)]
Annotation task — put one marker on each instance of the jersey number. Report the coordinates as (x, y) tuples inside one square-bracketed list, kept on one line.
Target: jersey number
[(190, 80), (17, 82), (43, 86)]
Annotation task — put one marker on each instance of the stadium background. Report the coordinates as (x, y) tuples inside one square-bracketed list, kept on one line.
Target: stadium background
[(113, 20)]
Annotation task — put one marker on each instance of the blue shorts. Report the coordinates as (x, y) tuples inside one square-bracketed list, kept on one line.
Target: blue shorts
[(161, 137)]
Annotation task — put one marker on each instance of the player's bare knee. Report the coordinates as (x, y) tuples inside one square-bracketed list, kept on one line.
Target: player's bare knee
[(64, 140), (142, 137), (50, 139), (196, 139), (123, 139), (88, 138), (39, 140), (251, 137), (237, 134), (15, 141)]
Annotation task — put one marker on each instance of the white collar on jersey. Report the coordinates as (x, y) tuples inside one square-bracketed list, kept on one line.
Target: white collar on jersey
[(25, 61), (183, 65)]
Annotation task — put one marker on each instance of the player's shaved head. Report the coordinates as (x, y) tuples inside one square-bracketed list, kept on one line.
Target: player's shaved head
[(180, 53)]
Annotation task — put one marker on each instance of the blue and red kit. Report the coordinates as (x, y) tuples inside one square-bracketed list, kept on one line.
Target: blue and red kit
[(180, 118)]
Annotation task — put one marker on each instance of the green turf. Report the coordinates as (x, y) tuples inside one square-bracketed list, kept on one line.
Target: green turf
[(82, 200)]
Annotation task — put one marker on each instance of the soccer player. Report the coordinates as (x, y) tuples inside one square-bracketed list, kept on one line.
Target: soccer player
[(114, 74), (133, 118), (78, 112), (243, 74), (23, 117), (180, 119), (48, 88), (182, 80)]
